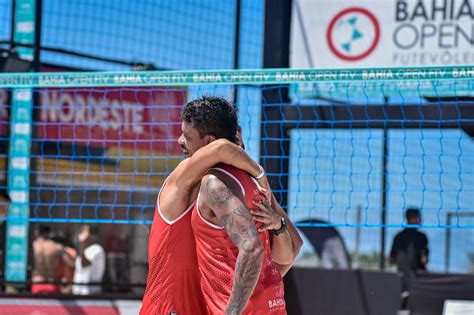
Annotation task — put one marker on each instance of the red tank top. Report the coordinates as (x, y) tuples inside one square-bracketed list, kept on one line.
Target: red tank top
[(217, 256), (173, 277)]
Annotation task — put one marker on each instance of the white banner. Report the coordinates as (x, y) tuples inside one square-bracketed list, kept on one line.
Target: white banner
[(381, 33)]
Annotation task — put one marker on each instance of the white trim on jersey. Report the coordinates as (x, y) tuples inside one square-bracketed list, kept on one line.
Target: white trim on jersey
[(217, 227), (170, 222)]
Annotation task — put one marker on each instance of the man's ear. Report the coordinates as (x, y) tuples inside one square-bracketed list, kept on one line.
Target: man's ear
[(208, 139)]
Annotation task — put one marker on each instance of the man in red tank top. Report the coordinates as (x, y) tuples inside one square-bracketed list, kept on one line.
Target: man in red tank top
[(240, 268), (235, 260), (173, 283)]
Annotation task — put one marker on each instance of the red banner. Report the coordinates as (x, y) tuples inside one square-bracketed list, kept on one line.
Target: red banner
[(130, 118), (141, 118)]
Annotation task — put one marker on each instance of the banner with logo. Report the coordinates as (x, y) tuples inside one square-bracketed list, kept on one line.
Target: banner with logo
[(118, 132), (376, 33), (16, 245), (129, 135)]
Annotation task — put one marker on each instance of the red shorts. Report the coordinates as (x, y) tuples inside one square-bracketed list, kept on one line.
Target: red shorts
[(45, 288)]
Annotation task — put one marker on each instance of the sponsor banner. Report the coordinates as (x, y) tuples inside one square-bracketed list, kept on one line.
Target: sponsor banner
[(239, 77), (374, 33), (116, 133), (140, 118), (111, 137), (16, 245), (131, 172), (361, 93)]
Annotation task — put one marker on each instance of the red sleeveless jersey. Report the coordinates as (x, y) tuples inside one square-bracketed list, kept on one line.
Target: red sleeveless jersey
[(217, 256), (173, 276)]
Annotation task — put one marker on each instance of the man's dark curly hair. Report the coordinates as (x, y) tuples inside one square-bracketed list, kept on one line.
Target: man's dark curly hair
[(213, 116)]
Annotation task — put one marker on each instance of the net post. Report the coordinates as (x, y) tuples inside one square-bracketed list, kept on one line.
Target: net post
[(34, 147), (238, 6), (18, 235), (447, 250), (275, 153), (383, 231), (12, 26)]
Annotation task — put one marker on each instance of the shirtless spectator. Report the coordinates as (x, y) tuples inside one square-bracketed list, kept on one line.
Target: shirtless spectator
[(49, 258)]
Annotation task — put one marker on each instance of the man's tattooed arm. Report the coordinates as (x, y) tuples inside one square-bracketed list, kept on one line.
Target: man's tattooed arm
[(236, 219)]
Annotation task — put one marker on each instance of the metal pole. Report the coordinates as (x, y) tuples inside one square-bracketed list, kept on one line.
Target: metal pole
[(357, 238), (384, 194), (34, 131), (274, 143), (3, 234), (37, 44), (238, 6), (12, 27), (447, 244)]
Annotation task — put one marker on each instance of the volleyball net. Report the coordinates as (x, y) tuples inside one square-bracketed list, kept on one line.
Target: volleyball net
[(349, 148)]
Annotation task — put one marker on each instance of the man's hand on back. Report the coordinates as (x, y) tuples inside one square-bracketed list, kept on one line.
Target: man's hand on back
[(266, 215)]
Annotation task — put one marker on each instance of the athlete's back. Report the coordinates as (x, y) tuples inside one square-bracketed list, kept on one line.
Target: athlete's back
[(217, 256), (173, 277)]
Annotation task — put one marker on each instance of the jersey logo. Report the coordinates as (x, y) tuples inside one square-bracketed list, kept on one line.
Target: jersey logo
[(276, 303)]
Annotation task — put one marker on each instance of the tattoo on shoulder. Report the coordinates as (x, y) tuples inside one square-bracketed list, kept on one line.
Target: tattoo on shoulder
[(218, 196)]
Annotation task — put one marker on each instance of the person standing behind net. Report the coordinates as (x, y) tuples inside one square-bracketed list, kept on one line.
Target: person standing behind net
[(66, 270), (90, 262), (49, 257), (410, 248)]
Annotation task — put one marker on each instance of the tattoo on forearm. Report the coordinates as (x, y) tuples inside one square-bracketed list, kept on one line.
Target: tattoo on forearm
[(241, 229), (247, 271)]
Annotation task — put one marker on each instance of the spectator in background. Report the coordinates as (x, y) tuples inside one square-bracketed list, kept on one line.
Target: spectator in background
[(410, 247), (66, 270), (4, 204), (49, 259), (90, 262)]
